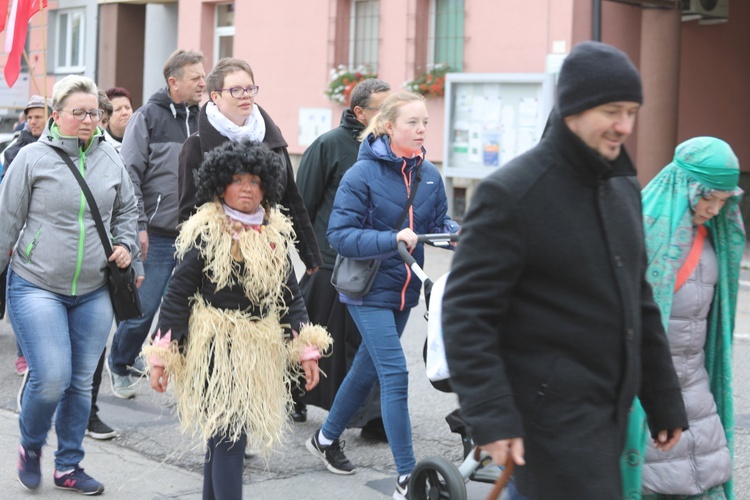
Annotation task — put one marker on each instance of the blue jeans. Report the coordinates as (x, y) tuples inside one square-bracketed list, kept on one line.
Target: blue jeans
[(130, 334), (62, 337), (379, 357)]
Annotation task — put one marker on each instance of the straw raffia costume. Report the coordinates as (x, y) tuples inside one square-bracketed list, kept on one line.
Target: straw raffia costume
[(228, 305)]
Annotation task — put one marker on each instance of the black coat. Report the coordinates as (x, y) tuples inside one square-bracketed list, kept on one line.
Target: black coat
[(550, 326), (208, 138), (320, 171)]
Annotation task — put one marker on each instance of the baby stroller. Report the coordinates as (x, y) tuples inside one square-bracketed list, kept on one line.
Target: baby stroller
[(436, 477)]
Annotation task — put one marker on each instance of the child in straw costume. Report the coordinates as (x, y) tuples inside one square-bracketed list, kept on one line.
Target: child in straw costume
[(231, 305)]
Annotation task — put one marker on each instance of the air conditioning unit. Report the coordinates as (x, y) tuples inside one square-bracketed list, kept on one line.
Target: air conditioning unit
[(706, 9)]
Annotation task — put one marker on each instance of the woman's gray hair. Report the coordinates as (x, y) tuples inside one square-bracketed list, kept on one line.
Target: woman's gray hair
[(72, 84)]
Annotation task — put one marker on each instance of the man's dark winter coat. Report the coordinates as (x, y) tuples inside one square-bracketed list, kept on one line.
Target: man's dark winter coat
[(320, 171), (550, 327), (24, 138)]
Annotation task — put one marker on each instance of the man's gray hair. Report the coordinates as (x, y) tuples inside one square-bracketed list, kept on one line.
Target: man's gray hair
[(178, 60), (364, 89), (72, 84)]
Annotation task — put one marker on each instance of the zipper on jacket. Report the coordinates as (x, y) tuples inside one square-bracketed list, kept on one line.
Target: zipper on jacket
[(156, 209), (82, 230), (187, 121), (30, 247), (410, 225)]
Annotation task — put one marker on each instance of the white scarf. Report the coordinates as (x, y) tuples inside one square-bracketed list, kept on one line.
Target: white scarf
[(254, 128), (253, 219)]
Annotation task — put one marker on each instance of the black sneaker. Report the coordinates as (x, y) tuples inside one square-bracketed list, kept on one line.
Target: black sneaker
[(299, 412), (98, 429), (331, 455), (402, 489)]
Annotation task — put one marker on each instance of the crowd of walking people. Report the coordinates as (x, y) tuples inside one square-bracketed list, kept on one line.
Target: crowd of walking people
[(593, 339)]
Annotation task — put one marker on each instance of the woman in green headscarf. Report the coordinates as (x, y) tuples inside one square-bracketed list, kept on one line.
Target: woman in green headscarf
[(694, 239)]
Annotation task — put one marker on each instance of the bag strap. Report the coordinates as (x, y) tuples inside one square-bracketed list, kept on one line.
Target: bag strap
[(694, 256), (90, 199), (412, 194)]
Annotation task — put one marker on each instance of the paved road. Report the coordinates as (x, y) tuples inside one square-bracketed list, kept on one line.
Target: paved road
[(150, 459)]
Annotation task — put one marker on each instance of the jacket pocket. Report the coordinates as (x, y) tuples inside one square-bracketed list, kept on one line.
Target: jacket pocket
[(28, 250), (156, 208), (563, 399)]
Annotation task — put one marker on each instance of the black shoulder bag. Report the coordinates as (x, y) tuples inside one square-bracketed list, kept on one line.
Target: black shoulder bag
[(354, 277), (122, 289)]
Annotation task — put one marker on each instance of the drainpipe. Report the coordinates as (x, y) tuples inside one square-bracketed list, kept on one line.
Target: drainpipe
[(596, 21)]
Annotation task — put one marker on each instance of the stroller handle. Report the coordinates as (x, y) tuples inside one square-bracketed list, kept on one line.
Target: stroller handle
[(436, 240)]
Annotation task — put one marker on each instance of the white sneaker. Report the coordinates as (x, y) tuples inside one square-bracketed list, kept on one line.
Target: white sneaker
[(122, 386)]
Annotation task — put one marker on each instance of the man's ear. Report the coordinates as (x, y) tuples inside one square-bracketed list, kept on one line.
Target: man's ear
[(171, 81), (359, 113)]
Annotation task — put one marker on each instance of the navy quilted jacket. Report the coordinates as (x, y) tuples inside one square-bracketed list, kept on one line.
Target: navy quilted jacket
[(368, 203)]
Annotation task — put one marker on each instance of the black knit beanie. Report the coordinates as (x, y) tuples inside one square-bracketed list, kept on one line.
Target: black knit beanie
[(593, 74)]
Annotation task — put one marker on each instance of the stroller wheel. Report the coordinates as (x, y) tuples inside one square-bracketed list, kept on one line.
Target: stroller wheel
[(436, 478)]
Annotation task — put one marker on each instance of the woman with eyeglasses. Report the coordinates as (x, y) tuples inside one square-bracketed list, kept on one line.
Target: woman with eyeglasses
[(58, 301), (231, 114)]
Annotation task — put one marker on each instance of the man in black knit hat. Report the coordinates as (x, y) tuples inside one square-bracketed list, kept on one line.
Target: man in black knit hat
[(550, 326)]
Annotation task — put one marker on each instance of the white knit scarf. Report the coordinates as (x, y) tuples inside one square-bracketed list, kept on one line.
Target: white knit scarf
[(254, 128)]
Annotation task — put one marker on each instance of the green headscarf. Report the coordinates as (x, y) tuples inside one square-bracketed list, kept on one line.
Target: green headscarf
[(700, 166)]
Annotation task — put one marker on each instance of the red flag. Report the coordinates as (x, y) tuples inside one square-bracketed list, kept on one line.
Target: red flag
[(15, 38), (3, 14)]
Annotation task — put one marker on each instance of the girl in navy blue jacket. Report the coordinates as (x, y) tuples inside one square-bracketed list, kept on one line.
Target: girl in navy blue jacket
[(369, 201)]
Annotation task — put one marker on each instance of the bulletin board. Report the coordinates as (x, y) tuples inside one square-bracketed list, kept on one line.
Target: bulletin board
[(490, 118)]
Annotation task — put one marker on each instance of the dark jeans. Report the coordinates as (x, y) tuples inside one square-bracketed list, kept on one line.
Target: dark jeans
[(130, 334), (222, 470), (97, 383)]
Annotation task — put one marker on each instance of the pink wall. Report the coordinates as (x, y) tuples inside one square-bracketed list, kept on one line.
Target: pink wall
[(514, 36), (714, 81), (291, 59)]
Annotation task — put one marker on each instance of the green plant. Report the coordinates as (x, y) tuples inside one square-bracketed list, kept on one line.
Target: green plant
[(343, 80), (431, 83)]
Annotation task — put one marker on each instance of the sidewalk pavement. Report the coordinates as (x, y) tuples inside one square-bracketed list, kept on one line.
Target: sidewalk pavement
[(130, 475)]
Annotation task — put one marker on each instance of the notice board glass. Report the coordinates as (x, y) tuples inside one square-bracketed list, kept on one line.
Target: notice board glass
[(490, 118)]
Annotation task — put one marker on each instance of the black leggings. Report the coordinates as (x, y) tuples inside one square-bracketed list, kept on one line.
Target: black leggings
[(222, 470)]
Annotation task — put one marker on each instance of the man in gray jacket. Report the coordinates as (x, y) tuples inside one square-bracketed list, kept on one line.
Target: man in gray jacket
[(150, 149)]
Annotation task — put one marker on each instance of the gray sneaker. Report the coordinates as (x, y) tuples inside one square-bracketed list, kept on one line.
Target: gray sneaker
[(122, 386)]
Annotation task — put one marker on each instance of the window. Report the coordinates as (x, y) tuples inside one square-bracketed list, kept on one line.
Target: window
[(363, 34), (224, 31), (446, 34), (70, 35)]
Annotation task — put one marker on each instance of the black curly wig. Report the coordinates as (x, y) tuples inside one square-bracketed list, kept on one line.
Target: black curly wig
[(221, 163)]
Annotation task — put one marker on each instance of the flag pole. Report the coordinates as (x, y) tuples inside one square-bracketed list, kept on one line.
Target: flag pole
[(45, 30), (31, 72)]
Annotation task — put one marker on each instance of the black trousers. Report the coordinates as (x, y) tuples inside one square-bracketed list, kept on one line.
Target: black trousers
[(222, 470)]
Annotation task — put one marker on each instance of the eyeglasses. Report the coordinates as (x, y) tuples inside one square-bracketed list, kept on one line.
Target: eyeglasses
[(80, 114), (370, 108), (239, 92)]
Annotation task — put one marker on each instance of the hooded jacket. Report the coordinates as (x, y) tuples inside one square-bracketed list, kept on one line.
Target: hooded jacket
[(370, 199), (150, 147), (46, 213), (320, 171), (208, 138), (550, 327)]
